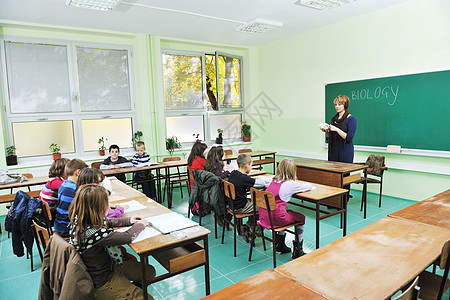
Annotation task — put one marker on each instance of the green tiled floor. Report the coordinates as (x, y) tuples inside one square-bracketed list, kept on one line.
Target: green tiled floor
[(17, 282)]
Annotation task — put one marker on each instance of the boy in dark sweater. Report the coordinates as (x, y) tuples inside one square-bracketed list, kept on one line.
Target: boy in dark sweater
[(115, 161)]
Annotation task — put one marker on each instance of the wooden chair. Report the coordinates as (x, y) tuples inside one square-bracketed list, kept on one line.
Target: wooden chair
[(411, 293), (376, 169), (230, 195), (244, 150), (174, 179), (266, 200), (433, 286), (228, 152), (27, 175), (96, 164), (41, 236)]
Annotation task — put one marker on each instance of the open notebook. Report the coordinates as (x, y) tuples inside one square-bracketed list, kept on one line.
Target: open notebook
[(170, 222)]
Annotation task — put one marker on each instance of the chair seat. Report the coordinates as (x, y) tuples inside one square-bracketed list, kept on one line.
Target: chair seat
[(285, 227), (429, 285), (239, 216), (178, 179), (373, 180)]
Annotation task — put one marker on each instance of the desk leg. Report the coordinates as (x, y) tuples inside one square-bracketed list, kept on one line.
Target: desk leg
[(144, 261), (317, 225), (168, 189), (365, 198), (274, 164), (207, 282), (158, 185), (344, 206)]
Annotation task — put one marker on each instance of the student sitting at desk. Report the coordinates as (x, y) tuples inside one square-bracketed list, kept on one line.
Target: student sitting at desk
[(214, 162), (49, 192), (148, 183), (66, 193), (116, 161), (94, 238), (242, 183), (196, 159), (283, 186)]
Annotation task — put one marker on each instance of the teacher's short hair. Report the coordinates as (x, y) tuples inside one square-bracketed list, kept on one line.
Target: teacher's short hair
[(342, 99)]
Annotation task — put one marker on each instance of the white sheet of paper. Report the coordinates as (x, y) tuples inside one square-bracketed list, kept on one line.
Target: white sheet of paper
[(171, 222), (133, 205), (147, 233), (149, 163), (107, 185)]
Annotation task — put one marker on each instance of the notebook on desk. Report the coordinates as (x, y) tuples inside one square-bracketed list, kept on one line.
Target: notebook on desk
[(170, 222)]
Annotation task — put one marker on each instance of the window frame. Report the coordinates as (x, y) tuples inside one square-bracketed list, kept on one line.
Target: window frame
[(204, 110), (75, 115)]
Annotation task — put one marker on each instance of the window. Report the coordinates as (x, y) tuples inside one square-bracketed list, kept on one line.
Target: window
[(202, 94), (66, 93)]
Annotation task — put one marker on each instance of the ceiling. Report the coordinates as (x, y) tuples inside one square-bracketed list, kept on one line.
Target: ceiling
[(211, 21)]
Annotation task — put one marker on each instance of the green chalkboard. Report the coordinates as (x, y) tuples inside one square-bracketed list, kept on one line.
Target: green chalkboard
[(412, 111)]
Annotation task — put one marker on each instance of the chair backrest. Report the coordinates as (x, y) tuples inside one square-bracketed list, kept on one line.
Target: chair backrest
[(228, 152), (41, 234), (228, 189), (375, 161), (190, 173), (244, 150), (46, 210), (263, 199), (96, 164), (175, 158), (28, 175), (411, 293), (444, 255)]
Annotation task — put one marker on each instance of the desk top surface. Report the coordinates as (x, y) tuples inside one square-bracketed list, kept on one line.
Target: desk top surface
[(131, 169), (433, 211), (123, 193), (253, 153), (266, 285), (376, 260), (329, 166), (29, 182)]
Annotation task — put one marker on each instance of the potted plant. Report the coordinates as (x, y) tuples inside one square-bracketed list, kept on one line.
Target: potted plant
[(55, 150), (102, 148), (219, 138), (137, 137), (246, 132), (11, 157), (172, 143)]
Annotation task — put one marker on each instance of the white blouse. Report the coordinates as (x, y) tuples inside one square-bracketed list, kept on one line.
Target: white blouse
[(288, 188)]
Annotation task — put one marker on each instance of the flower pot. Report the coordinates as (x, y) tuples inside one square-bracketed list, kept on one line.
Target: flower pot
[(246, 138), (56, 155), (219, 140), (11, 160), (101, 152)]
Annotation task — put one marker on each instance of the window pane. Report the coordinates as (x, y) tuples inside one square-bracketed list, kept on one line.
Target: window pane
[(211, 87), (230, 124), (182, 81), (185, 128), (34, 138), (38, 78), (117, 131), (229, 82), (103, 79)]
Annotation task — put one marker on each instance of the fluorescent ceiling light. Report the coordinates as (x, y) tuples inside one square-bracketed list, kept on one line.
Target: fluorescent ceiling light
[(322, 4), (258, 26), (105, 5)]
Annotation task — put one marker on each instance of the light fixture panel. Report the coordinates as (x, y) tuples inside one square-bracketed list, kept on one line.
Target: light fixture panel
[(105, 5), (258, 26), (322, 4)]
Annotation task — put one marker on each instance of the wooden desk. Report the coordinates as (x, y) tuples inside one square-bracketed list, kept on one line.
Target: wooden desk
[(26, 183), (177, 256), (332, 174), (371, 263), (157, 168), (269, 158), (266, 285), (433, 211)]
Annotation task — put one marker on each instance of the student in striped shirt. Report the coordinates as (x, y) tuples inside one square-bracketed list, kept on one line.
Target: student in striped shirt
[(49, 192), (148, 187), (66, 193)]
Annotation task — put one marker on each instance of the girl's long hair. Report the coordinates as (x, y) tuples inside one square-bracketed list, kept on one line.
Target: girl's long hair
[(286, 170), (214, 159), (57, 168), (87, 210), (90, 176), (197, 150)]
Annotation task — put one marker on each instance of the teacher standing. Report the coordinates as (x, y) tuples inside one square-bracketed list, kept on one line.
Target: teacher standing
[(341, 132)]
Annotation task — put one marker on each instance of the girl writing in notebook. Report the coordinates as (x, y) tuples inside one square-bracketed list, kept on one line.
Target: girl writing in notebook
[(93, 236), (283, 186)]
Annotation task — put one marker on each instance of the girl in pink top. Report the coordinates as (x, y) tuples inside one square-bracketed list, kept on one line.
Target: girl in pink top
[(49, 192), (283, 186)]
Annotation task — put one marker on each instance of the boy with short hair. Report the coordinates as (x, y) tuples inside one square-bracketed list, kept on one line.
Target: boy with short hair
[(242, 183), (115, 161), (66, 193), (145, 178)]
